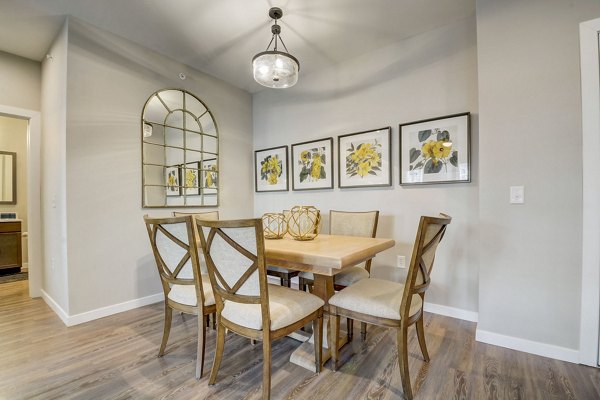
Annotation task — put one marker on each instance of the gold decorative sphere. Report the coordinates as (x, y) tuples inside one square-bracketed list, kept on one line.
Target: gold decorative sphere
[(274, 225), (304, 222)]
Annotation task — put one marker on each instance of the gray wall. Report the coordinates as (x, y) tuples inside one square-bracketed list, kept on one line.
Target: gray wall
[(20, 82), (429, 75), (530, 113), (109, 80)]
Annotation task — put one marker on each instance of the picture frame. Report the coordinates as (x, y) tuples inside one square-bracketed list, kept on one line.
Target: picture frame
[(173, 181), (271, 169), (191, 182), (210, 176), (312, 165), (364, 158), (436, 150)]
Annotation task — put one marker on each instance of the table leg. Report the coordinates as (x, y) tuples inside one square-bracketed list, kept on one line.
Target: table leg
[(304, 355)]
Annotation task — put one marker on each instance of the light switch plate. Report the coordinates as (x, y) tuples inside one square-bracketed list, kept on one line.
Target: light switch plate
[(517, 194)]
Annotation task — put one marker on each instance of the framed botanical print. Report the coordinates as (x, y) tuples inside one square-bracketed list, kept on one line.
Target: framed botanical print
[(436, 150), (173, 180), (364, 159), (271, 169), (192, 186), (210, 176), (312, 165)]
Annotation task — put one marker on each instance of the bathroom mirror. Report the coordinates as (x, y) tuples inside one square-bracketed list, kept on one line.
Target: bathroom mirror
[(180, 151), (8, 177)]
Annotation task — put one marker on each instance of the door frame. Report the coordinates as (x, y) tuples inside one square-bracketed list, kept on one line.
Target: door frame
[(34, 210), (589, 40)]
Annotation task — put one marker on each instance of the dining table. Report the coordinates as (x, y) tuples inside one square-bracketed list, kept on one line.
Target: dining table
[(324, 256)]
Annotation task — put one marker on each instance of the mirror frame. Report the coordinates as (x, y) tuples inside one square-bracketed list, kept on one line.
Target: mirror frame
[(184, 148), (14, 177)]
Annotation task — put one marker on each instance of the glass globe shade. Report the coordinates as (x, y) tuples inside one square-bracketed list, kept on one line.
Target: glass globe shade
[(275, 69)]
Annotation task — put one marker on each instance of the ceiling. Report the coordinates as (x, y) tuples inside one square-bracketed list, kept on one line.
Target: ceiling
[(220, 37)]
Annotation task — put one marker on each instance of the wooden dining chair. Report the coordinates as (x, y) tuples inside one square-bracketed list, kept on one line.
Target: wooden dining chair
[(285, 275), (246, 303), (207, 215), (175, 251), (211, 216), (348, 223), (392, 304)]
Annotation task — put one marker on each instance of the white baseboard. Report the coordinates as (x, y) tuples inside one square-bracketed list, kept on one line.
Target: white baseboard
[(114, 309), (451, 312), (70, 320), (55, 307), (528, 346)]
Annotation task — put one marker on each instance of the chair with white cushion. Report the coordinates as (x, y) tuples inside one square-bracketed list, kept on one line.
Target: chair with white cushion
[(348, 223), (207, 215), (210, 216), (175, 249), (392, 304), (246, 303)]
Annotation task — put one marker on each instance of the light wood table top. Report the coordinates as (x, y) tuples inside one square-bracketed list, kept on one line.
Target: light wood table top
[(324, 255)]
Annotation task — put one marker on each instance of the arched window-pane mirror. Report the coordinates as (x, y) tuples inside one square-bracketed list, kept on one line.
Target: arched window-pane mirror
[(180, 151)]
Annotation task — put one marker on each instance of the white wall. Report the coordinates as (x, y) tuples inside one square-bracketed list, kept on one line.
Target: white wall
[(13, 138), (429, 75), (53, 149), (530, 119), (109, 80)]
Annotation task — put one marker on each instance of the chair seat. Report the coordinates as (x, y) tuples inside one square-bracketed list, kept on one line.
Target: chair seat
[(349, 276), (186, 294), (307, 275), (375, 297), (279, 269), (286, 307)]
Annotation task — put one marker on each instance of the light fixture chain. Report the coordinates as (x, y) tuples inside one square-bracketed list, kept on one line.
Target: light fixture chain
[(269, 45), (284, 46)]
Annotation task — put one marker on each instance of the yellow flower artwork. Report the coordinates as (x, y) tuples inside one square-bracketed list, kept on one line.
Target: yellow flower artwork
[(363, 159), (211, 177), (435, 153), (191, 178), (313, 163), (271, 169), (172, 181)]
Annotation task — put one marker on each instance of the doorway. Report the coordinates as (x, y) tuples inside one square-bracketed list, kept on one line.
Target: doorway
[(33, 193), (13, 199)]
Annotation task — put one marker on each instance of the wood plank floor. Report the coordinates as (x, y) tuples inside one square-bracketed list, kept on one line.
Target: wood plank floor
[(115, 358)]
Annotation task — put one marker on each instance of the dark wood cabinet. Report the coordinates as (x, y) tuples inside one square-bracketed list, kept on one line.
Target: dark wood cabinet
[(10, 244)]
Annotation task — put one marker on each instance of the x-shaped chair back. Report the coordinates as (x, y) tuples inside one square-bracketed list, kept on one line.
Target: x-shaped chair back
[(175, 251), (234, 252)]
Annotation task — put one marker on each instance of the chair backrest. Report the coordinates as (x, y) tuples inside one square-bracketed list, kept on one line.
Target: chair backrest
[(351, 223), (208, 216), (234, 252), (175, 250), (429, 235)]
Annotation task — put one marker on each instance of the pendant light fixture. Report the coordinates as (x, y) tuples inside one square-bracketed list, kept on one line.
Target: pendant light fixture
[(274, 68)]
